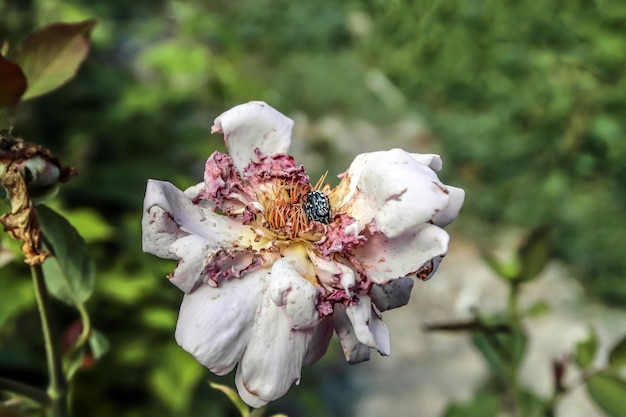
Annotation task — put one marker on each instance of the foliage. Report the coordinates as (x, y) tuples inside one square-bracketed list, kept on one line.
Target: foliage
[(502, 342), (525, 98)]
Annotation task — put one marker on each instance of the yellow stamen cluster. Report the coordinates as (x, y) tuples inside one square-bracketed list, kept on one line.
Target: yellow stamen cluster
[(284, 213), (283, 207)]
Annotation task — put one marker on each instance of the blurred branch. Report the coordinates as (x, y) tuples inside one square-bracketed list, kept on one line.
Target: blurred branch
[(471, 325), (25, 390)]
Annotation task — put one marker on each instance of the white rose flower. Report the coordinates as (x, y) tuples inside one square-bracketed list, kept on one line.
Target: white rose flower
[(270, 264)]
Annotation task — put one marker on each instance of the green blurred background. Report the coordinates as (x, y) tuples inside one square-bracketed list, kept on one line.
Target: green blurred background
[(525, 100)]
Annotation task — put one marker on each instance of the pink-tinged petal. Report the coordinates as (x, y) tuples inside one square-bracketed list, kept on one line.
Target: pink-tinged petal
[(447, 216), (395, 190), (160, 228), (275, 355), (369, 329), (215, 324), (290, 290), (353, 350), (333, 274), (394, 294), (386, 259), (173, 227), (250, 126)]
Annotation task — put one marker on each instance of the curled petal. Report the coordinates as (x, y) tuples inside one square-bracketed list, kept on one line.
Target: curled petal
[(289, 289), (447, 216), (395, 190), (385, 259), (173, 227), (275, 354), (215, 324), (394, 294), (332, 273), (353, 350), (250, 126), (369, 329), (430, 160)]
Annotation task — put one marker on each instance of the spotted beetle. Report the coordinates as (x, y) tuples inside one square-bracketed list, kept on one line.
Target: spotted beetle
[(317, 207)]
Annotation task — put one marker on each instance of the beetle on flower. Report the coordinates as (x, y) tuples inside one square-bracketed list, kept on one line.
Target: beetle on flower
[(270, 263)]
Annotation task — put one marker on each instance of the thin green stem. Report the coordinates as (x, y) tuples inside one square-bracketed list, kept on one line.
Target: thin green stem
[(511, 365), (24, 390), (57, 387)]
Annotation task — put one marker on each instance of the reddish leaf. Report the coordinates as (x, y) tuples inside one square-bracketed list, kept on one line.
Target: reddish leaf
[(51, 56), (12, 83)]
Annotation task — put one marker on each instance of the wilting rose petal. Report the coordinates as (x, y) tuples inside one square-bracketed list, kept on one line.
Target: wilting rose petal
[(353, 349), (369, 329), (386, 259), (275, 353), (290, 290), (430, 160), (392, 295), (253, 125), (395, 190), (176, 228), (215, 324), (447, 215)]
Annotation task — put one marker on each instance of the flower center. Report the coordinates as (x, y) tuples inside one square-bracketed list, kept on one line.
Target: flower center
[(284, 211)]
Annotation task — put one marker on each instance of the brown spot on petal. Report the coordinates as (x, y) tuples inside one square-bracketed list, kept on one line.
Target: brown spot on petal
[(441, 187), (424, 273), (396, 196)]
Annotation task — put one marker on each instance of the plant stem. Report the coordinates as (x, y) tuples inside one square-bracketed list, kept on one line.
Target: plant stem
[(57, 387), (513, 367)]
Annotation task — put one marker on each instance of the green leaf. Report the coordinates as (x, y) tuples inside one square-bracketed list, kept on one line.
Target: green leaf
[(586, 349), (69, 273), (617, 357), (98, 344), (534, 254), (538, 309), (12, 83), (504, 270), (51, 56), (484, 404), (500, 349), (175, 368), (233, 397), (609, 392)]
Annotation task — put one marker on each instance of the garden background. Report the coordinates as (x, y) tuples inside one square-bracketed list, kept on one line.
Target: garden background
[(525, 101)]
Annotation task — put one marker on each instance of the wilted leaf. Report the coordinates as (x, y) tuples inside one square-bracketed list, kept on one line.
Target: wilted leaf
[(609, 392), (12, 83), (52, 55), (617, 357), (69, 274), (534, 254), (586, 349)]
